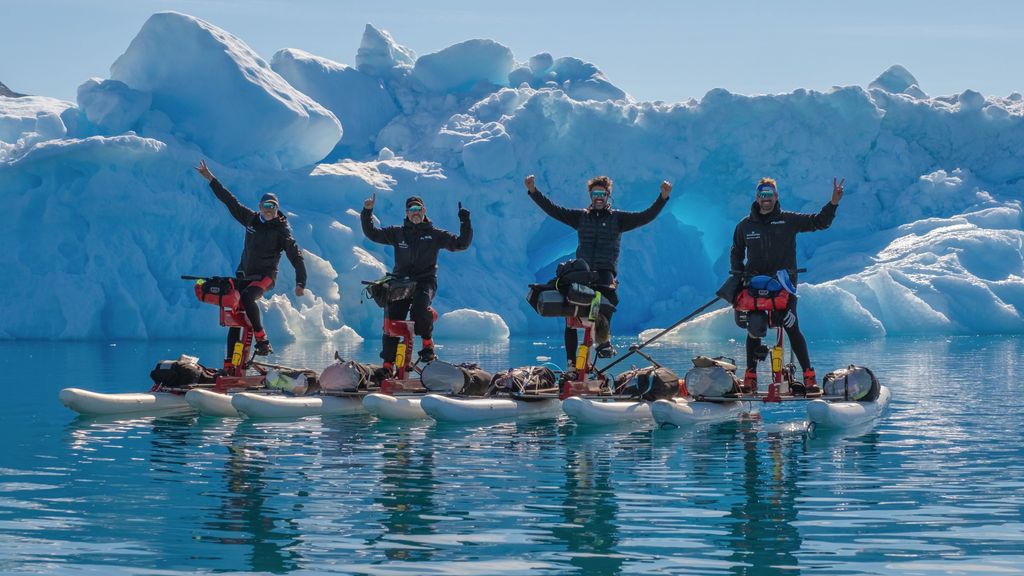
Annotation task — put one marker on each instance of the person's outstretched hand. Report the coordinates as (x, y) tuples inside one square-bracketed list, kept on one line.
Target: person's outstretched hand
[(666, 189), (531, 183), (368, 204), (204, 171), (837, 191), (463, 214), (299, 290)]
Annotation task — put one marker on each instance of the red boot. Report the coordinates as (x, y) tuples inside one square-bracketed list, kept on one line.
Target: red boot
[(749, 381), (811, 383)]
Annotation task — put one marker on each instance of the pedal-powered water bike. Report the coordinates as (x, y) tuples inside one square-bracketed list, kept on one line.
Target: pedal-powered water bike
[(349, 387), (465, 393), (398, 395), (529, 391), (594, 399), (341, 388), (714, 393), (588, 395), (183, 385)]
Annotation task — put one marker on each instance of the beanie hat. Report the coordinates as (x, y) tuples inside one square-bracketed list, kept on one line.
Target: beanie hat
[(413, 200), (270, 197)]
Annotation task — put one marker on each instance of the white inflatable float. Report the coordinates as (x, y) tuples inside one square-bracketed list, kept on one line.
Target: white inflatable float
[(686, 412), (209, 403), (387, 407), (254, 405), (604, 412), (452, 409), (838, 414), (136, 403)]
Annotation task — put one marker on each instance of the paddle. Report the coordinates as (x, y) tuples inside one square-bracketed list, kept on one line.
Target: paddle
[(637, 348)]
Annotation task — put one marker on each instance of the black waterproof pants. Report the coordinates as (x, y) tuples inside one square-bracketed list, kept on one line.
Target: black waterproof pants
[(603, 324), (251, 291), (419, 307), (796, 337)]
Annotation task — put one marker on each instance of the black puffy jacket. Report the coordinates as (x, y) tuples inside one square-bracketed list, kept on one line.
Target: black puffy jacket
[(599, 231), (264, 241), (766, 243), (417, 245)]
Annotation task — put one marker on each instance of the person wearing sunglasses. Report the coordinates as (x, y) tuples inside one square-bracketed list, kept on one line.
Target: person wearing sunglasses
[(764, 243), (416, 243), (599, 229), (267, 234)]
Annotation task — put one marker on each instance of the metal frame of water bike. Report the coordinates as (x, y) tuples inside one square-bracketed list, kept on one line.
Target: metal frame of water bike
[(583, 385), (238, 358), (401, 383)]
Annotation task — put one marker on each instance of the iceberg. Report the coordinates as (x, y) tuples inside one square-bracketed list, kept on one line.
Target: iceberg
[(104, 212), (360, 101), (471, 325), (212, 86)]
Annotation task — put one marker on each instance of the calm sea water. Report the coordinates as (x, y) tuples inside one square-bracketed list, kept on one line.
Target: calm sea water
[(935, 487)]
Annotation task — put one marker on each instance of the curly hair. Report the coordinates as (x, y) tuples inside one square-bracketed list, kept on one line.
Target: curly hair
[(599, 181)]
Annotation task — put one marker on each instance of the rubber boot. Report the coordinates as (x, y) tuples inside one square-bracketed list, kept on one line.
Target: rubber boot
[(383, 373), (750, 381), (605, 350), (427, 355), (811, 383), (263, 348)]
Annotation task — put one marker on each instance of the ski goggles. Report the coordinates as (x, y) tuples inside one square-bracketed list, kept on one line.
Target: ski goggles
[(414, 208), (269, 206), (598, 193), (765, 191)]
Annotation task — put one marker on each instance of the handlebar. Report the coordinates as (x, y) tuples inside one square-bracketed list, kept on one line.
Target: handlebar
[(189, 277), (749, 275)]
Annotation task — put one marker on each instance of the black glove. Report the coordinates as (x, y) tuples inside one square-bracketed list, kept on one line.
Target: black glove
[(730, 288), (463, 214)]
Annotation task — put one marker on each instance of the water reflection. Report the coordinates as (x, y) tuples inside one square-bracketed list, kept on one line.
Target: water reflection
[(407, 487), (245, 516), (934, 487), (763, 537), (589, 529)]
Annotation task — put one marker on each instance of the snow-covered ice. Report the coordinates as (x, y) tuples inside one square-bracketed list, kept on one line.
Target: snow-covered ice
[(103, 211), (221, 96), (471, 325)]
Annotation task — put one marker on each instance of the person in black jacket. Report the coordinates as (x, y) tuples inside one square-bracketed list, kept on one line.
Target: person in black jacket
[(267, 234), (417, 243), (599, 229), (764, 243)]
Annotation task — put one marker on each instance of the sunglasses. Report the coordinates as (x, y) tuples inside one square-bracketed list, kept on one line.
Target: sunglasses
[(268, 206), (598, 193), (766, 192), (415, 208)]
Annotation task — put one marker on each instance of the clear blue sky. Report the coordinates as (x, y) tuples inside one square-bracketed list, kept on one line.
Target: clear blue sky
[(654, 50)]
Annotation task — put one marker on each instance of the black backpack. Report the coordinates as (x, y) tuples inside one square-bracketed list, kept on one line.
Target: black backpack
[(649, 383), (524, 381), (181, 373)]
